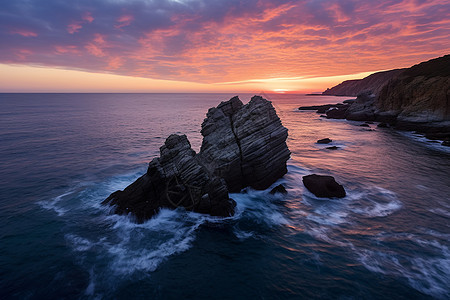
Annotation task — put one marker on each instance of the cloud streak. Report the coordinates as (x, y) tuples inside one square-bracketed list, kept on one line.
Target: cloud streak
[(224, 41)]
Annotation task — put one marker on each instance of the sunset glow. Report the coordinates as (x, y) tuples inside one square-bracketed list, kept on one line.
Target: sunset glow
[(217, 45)]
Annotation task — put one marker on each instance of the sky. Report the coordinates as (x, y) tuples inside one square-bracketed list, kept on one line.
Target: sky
[(212, 45)]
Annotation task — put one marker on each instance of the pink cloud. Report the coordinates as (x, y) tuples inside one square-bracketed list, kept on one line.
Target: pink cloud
[(96, 46), (66, 49), (115, 63), (25, 33), (87, 16), (77, 25), (74, 27), (124, 20), (23, 54), (95, 50)]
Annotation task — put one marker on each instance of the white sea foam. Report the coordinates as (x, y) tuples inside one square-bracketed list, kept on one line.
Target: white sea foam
[(374, 202), (440, 212), (78, 243), (323, 233), (429, 275), (426, 142), (243, 235), (54, 204), (258, 206)]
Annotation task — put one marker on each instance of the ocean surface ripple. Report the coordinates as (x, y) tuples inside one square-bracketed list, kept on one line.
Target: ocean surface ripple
[(62, 154)]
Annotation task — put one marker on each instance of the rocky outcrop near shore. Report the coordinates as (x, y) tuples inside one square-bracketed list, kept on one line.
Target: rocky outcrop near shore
[(372, 83), (416, 99), (243, 146), (420, 93)]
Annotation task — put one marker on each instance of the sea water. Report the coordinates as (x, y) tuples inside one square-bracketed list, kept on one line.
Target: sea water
[(62, 154)]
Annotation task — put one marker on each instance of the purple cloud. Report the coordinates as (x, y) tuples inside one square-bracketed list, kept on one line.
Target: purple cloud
[(228, 40)]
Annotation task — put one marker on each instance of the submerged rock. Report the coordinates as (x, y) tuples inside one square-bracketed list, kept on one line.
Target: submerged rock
[(332, 148), (323, 186), (324, 141), (279, 189), (243, 145)]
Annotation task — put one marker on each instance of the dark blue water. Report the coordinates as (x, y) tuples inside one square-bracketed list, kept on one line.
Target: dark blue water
[(62, 154)]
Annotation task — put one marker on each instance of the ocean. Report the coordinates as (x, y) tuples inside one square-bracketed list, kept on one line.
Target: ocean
[(63, 154)]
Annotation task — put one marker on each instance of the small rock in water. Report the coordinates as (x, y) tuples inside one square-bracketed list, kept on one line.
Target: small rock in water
[(332, 148), (324, 141), (279, 189), (364, 125), (383, 125), (323, 186), (446, 143)]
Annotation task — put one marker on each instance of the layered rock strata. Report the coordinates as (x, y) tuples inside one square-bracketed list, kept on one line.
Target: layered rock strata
[(414, 99), (243, 145), (373, 83)]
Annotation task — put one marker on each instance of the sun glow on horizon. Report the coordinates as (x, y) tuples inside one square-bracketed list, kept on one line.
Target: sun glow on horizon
[(22, 78)]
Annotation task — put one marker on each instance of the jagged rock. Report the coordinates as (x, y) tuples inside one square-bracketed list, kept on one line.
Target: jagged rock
[(279, 189), (373, 83), (320, 109), (349, 101), (175, 179), (420, 93), (337, 113), (324, 141), (243, 145), (362, 109), (446, 143), (383, 125), (323, 186)]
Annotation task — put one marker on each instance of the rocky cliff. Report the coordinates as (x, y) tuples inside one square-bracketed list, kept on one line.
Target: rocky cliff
[(420, 93), (243, 145), (372, 83)]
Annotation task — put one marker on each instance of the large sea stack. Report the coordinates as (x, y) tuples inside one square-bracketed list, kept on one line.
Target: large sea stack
[(243, 146)]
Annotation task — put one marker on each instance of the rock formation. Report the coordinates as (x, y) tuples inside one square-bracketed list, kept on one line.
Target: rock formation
[(372, 83), (176, 178), (413, 99), (243, 145), (420, 93), (324, 141), (323, 186)]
